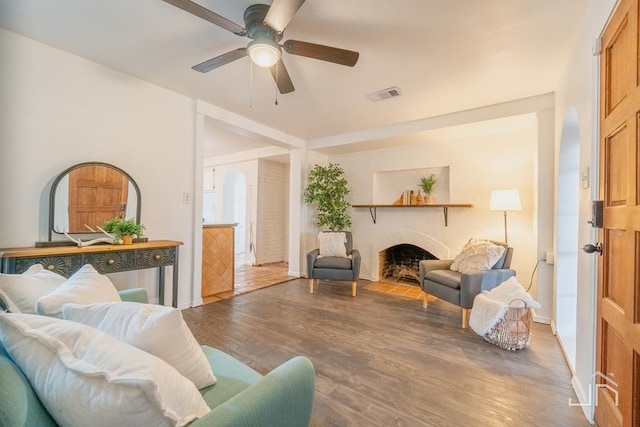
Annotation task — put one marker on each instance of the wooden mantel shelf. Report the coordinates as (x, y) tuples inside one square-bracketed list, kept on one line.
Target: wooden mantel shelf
[(445, 208)]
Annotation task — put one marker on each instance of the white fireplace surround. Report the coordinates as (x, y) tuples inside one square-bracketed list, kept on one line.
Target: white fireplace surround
[(386, 240)]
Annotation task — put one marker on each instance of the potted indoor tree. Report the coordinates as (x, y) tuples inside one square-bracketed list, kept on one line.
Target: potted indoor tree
[(327, 190), (427, 183), (123, 230)]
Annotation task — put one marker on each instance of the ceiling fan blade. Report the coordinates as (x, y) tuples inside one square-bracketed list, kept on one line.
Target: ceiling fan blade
[(322, 52), (221, 60), (207, 15), (281, 77), (281, 12)]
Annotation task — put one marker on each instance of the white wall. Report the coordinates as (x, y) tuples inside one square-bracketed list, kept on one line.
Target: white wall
[(58, 110), (477, 165), (578, 87)]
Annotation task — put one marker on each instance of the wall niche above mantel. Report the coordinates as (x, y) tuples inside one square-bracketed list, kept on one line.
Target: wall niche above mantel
[(388, 186)]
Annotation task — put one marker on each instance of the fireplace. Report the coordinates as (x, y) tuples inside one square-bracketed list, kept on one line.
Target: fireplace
[(401, 263)]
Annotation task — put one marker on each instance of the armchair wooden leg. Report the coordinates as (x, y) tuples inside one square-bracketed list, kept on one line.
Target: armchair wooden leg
[(353, 289), (466, 312), (311, 285), (425, 299)]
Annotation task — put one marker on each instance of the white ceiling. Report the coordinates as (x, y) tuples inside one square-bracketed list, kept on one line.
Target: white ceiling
[(444, 55)]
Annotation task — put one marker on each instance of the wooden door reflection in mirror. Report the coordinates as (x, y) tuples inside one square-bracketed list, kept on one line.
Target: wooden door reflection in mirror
[(88, 194), (96, 194)]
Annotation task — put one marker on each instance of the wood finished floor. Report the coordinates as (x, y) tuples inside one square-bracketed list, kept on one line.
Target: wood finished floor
[(382, 360), (248, 278)]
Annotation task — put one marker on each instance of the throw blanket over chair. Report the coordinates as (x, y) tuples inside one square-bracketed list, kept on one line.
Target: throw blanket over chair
[(460, 288), (334, 260)]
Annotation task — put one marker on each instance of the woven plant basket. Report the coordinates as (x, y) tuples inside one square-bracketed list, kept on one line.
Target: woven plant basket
[(513, 332)]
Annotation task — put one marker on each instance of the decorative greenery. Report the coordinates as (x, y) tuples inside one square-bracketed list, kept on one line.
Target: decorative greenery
[(327, 189), (123, 227), (427, 183)]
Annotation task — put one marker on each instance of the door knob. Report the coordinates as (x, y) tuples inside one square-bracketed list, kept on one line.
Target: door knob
[(589, 248)]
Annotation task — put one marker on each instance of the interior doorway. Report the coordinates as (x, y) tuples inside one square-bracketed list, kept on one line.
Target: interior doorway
[(566, 279), (234, 207)]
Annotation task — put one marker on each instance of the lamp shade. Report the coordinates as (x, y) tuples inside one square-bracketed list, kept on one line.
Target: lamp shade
[(505, 200)]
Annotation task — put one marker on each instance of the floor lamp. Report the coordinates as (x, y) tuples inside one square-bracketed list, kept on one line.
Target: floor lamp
[(505, 200)]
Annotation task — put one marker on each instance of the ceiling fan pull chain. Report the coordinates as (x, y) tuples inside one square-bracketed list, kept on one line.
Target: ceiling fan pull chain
[(277, 69), (250, 84)]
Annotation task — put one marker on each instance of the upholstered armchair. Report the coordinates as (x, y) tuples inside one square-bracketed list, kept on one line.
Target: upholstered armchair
[(335, 267), (437, 279)]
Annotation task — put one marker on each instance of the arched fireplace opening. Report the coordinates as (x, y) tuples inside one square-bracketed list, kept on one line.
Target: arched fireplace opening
[(400, 263)]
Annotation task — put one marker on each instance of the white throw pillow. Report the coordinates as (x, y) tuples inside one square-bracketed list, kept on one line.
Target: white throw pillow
[(155, 329), (477, 255), (85, 286), (332, 243), (19, 292), (86, 378)]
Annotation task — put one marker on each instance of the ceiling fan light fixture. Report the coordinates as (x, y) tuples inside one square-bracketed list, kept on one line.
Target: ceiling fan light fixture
[(264, 53)]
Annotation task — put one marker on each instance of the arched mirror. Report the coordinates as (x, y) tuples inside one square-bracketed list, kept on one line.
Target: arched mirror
[(88, 194)]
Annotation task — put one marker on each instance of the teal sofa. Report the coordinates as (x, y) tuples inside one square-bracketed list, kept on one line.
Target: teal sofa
[(241, 397)]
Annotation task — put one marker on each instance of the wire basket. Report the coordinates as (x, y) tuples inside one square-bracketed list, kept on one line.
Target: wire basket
[(513, 332)]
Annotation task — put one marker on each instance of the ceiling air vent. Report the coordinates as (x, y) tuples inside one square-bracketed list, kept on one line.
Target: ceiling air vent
[(384, 94)]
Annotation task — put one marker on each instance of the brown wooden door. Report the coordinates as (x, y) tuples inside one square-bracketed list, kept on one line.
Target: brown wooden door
[(618, 300), (96, 194)]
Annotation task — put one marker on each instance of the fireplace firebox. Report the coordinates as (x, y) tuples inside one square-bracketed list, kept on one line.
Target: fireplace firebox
[(401, 263)]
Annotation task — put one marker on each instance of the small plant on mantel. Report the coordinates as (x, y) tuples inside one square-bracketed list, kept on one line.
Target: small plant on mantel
[(123, 230), (427, 183), (327, 190)]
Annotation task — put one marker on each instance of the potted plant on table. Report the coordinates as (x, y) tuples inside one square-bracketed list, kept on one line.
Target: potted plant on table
[(327, 190), (123, 230), (427, 183)]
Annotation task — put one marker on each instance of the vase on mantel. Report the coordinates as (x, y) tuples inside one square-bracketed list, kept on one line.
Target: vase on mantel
[(429, 199), (419, 198)]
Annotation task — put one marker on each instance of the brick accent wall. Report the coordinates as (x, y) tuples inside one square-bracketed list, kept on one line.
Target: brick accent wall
[(273, 197)]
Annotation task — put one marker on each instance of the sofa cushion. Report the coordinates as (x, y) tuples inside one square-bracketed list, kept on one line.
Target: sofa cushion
[(445, 277), (233, 377), (19, 292), (477, 255), (19, 404), (87, 378), (332, 244), (85, 286), (333, 262), (156, 329)]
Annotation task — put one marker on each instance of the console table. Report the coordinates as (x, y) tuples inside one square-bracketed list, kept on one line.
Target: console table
[(105, 258)]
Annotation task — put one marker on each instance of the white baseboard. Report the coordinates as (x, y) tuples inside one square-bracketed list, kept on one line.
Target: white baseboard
[(539, 319), (585, 401)]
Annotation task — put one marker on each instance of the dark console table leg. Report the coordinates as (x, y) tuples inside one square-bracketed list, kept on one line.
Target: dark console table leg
[(174, 296), (161, 286)]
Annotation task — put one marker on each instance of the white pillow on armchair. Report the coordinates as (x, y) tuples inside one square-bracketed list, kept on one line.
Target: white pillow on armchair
[(332, 243), (477, 255)]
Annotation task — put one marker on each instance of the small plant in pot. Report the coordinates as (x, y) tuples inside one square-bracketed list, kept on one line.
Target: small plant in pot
[(123, 230), (327, 190), (427, 183)]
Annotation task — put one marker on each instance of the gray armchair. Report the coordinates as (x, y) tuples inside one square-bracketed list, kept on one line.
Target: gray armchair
[(334, 268), (461, 288)]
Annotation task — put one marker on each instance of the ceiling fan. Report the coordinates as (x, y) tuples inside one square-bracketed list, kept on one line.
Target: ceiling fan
[(265, 25)]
